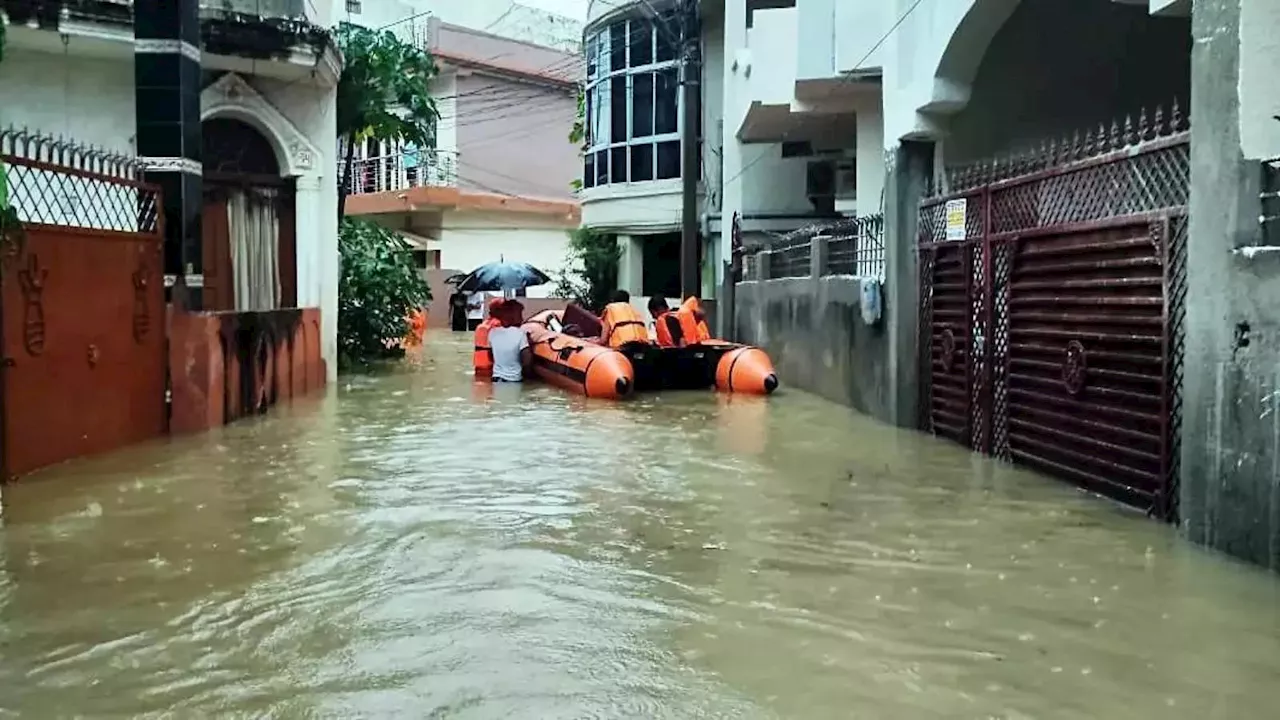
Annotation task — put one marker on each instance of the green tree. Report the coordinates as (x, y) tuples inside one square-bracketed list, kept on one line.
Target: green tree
[(578, 134), (379, 287), (383, 93), (591, 269)]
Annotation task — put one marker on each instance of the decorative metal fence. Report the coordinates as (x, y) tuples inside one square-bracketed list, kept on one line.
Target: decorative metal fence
[(56, 181), (1053, 289), (858, 249), (83, 296)]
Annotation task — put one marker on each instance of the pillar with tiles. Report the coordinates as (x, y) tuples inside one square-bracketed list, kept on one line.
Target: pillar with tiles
[(167, 83)]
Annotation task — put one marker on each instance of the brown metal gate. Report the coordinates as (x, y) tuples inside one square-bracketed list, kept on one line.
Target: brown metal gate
[(82, 304), (1051, 328)]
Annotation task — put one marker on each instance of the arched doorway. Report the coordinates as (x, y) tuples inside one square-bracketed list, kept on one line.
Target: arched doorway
[(250, 248)]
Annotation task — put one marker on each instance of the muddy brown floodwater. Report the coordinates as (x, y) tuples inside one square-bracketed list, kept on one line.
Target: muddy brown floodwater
[(415, 545)]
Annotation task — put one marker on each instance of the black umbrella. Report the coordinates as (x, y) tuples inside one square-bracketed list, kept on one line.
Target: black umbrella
[(503, 276), (455, 279)]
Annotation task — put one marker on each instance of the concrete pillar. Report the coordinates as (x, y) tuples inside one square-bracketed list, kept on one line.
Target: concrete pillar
[(869, 158), (734, 104), (819, 252), (911, 166), (631, 264), (167, 78), (309, 261), (1229, 496), (762, 265)]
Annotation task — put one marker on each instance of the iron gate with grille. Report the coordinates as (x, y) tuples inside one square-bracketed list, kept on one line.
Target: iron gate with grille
[(1051, 325)]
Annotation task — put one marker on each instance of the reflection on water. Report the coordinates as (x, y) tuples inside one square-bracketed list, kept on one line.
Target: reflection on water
[(418, 545)]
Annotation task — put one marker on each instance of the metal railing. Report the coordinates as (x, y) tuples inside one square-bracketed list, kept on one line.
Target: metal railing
[(857, 250), (854, 247), (413, 169), (291, 9), (790, 261)]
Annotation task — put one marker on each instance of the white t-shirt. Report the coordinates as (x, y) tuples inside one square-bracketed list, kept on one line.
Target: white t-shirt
[(507, 342)]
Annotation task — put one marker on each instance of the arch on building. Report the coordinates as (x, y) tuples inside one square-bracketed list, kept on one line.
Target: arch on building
[(958, 64), (1035, 70), (231, 97)]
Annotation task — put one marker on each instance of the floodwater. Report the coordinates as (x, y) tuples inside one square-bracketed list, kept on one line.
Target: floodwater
[(414, 545)]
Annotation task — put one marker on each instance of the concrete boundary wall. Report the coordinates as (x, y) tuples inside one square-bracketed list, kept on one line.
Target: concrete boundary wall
[(813, 330)]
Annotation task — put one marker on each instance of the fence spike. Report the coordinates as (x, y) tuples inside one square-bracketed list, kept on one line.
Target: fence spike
[(1087, 150), (1175, 117), (1143, 126), (1114, 141), (1157, 129), (1130, 133)]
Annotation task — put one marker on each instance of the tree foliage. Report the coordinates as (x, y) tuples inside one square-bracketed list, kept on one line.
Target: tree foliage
[(591, 269), (383, 93), (578, 133), (379, 287)]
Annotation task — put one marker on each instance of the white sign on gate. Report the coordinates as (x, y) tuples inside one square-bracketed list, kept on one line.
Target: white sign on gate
[(957, 214)]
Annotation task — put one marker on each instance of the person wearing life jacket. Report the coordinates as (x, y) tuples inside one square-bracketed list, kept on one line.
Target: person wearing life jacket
[(621, 324), (482, 357), (666, 326), (693, 322)]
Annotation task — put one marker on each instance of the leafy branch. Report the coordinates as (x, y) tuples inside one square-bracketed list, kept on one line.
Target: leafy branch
[(591, 268), (383, 94), (578, 133)]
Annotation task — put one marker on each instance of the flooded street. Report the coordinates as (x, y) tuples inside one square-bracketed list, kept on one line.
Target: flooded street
[(415, 545)]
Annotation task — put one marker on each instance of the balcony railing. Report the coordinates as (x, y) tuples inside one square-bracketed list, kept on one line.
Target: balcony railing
[(291, 9), (391, 173)]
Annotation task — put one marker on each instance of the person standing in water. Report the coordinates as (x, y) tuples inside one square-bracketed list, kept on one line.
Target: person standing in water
[(509, 344)]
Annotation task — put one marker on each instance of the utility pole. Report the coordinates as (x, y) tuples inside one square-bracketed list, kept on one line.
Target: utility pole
[(690, 166)]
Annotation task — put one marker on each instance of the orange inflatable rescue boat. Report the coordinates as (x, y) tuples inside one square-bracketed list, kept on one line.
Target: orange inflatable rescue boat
[(742, 369), (575, 364)]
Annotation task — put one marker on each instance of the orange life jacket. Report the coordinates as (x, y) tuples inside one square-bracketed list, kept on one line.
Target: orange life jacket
[(481, 358), (693, 329), (663, 330), (622, 325)]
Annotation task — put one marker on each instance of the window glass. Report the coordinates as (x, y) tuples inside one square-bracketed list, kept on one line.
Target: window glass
[(641, 162), (667, 88), (642, 105), (641, 43), (669, 160), (632, 95), (618, 107), (618, 45), (618, 165)]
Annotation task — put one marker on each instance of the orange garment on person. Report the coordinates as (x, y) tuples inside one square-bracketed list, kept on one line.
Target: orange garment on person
[(622, 325), (481, 358), (692, 326), (417, 328), (663, 330)]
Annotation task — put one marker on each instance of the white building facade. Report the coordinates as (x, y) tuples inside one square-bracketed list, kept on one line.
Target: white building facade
[(499, 183), (70, 71)]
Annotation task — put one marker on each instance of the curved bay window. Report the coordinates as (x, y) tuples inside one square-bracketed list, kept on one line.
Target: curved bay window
[(632, 102)]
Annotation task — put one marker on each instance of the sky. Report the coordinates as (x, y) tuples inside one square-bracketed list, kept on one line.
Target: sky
[(576, 9)]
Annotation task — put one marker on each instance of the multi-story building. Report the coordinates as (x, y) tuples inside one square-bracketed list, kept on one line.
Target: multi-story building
[(1074, 273), (1080, 204), (250, 112), (499, 183), (777, 150)]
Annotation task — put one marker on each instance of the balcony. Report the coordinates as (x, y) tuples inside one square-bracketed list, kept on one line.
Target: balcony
[(267, 9), (283, 39), (403, 172)]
